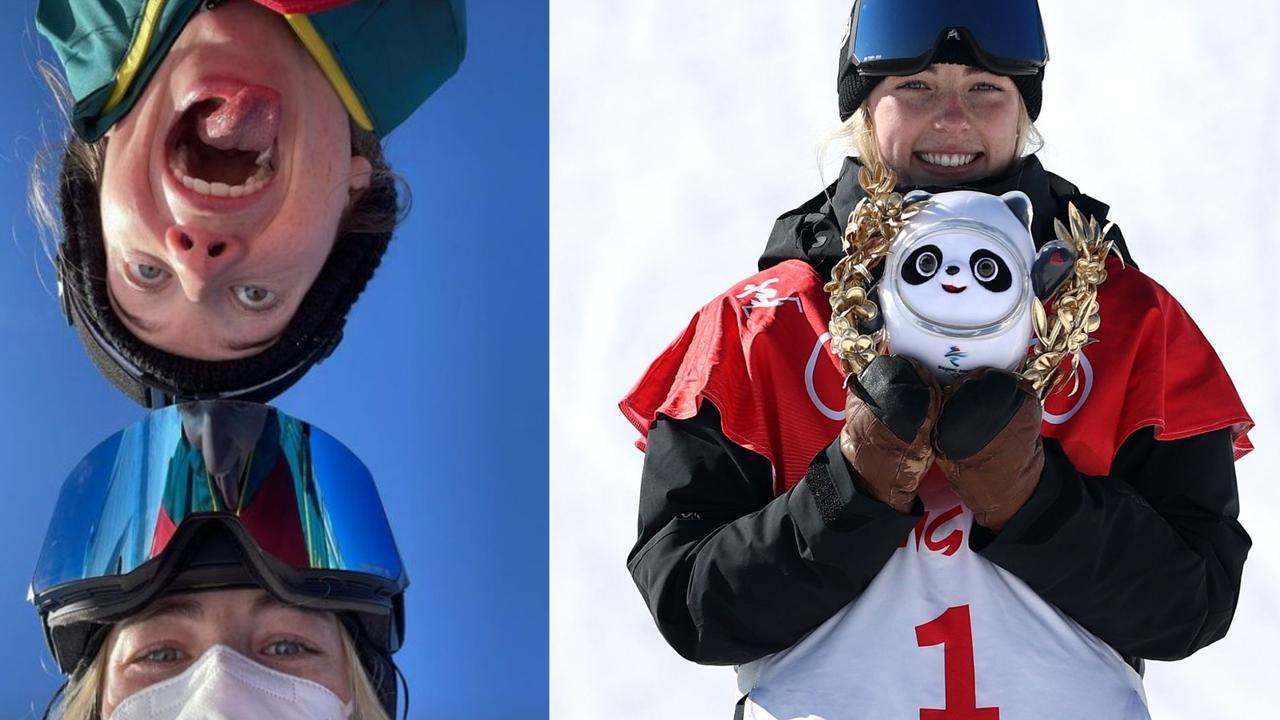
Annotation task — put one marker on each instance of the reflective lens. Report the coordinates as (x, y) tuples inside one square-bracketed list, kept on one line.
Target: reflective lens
[(304, 499), (897, 37)]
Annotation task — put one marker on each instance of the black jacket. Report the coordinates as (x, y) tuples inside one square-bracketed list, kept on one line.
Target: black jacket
[(812, 231), (1148, 559)]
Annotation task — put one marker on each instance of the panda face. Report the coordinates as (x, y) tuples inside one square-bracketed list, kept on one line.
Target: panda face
[(958, 279)]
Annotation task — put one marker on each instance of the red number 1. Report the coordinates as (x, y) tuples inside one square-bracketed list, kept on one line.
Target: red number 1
[(953, 630)]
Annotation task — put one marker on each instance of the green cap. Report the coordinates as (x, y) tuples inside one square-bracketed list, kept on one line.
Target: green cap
[(384, 57)]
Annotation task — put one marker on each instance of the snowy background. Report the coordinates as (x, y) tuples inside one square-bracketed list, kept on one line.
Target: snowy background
[(679, 131)]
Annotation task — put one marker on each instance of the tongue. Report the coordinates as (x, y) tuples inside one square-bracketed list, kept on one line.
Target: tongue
[(247, 120)]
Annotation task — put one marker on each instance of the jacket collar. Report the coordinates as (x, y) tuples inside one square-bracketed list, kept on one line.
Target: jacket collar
[(812, 232)]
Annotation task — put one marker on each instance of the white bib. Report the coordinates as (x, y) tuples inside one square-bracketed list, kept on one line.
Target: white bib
[(944, 634)]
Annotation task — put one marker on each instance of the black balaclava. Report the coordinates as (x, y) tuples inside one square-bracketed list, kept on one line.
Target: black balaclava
[(153, 377), (853, 87)]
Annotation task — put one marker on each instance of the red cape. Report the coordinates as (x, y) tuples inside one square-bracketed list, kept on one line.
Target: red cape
[(760, 353)]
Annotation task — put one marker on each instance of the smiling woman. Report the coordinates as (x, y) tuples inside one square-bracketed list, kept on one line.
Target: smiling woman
[(224, 200), (888, 127), (781, 484)]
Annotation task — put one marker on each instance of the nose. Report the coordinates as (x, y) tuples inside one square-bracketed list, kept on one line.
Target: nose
[(199, 258), (953, 115), (953, 269)]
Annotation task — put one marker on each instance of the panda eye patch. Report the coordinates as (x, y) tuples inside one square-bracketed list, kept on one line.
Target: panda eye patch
[(990, 270), (921, 264)]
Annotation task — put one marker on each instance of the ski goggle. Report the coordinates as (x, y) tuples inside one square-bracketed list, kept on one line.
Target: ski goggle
[(899, 37), (211, 495)]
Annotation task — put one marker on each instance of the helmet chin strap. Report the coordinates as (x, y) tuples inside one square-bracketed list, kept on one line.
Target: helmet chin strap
[(404, 683)]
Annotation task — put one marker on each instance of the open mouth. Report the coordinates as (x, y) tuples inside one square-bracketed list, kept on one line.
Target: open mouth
[(224, 143), (948, 161), (953, 289)]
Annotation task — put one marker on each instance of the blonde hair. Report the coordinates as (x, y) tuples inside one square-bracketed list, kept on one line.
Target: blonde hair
[(857, 136), (80, 698)]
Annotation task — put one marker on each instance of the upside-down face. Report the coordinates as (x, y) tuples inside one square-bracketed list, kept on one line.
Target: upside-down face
[(224, 186), (174, 632)]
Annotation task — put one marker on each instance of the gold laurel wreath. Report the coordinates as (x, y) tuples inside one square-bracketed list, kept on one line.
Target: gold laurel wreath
[(1061, 332), (873, 224)]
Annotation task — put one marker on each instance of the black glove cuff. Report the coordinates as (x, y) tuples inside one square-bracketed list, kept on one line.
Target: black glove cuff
[(841, 506)]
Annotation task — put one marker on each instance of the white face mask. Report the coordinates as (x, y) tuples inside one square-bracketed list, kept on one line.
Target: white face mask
[(225, 685)]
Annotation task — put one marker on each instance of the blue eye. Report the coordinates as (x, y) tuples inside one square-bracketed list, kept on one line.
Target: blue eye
[(162, 655), (147, 274), (285, 648), (254, 298)]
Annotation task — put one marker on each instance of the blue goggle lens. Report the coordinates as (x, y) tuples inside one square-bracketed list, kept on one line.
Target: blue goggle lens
[(304, 499), (893, 37)]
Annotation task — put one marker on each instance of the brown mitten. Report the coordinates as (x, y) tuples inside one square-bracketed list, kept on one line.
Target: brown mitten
[(890, 412), (989, 446)]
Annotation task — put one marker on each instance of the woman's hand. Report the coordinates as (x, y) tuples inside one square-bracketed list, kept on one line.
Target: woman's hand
[(988, 444), (890, 412)]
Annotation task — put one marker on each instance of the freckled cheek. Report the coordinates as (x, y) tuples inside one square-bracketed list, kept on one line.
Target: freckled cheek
[(135, 154), (131, 202), (302, 233), (299, 240), (896, 136), (335, 676), (116, 687), (121, 219), (324, 178), (1000, 134), (997, 117), (309, 218), (336, 680)]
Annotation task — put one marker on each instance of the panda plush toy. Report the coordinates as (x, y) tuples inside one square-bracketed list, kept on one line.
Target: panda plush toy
[(959, 280)]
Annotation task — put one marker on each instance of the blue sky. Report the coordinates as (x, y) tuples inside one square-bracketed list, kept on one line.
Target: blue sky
[(439, 387)]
